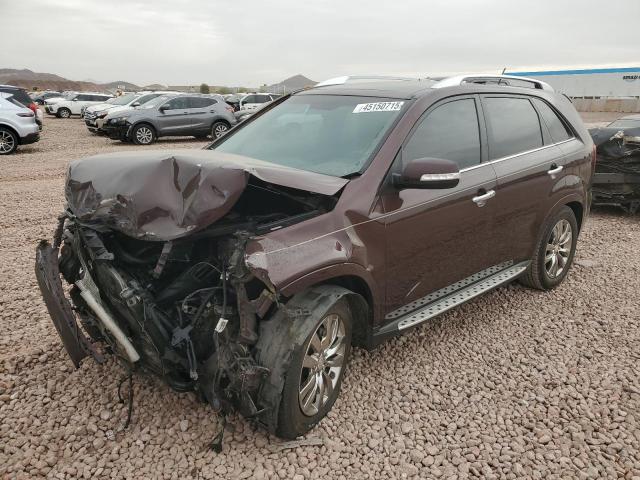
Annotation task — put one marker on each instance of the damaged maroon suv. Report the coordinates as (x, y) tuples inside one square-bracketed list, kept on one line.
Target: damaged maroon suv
[(338, 216)]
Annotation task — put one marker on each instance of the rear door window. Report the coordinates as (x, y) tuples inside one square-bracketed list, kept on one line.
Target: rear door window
[(450, 131), (513, 125), (557, 128)]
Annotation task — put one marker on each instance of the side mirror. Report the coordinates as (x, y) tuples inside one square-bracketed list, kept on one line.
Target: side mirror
[(135, 104), (427, 173), (164, 107)]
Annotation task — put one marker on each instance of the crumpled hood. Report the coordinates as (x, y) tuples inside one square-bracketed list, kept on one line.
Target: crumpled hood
[(163, 195)]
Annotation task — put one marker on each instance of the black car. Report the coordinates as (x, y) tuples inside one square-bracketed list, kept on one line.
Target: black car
[(617, 175)]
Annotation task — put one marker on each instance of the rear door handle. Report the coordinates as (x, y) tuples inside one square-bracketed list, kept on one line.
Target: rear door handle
[(555, 169), (481, 200)]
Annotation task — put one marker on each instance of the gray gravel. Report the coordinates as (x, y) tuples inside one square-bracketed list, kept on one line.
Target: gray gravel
[(518, 384)]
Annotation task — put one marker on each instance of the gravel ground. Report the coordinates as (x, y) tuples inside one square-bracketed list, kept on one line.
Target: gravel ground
[(517, 384)]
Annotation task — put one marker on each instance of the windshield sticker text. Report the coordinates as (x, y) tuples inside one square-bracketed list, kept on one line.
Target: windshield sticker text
[(378, 107)]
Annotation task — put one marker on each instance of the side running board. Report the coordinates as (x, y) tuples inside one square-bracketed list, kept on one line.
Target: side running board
[(445, 299)]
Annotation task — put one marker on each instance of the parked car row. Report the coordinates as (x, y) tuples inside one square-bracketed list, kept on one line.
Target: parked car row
[(72, 104), (142, 118)]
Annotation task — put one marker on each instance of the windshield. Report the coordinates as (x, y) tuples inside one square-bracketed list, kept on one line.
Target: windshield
[(156, 101), (123, 100), (625, 123), (329, 134), (146, 98), (69, 96)]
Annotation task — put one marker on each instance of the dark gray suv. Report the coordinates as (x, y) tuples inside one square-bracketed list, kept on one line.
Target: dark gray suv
[(175, 115)]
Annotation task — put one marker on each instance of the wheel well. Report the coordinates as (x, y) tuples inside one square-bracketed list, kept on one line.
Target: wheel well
[(578, 210), (12, 130), (362, 311), (220, 120)]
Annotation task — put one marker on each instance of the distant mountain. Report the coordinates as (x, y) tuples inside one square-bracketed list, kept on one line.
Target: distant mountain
[(29, 80), (122, 85), (296, 82)]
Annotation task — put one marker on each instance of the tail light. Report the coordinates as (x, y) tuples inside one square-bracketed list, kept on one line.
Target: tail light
[(26, 114), (33, 107), (229, 108)]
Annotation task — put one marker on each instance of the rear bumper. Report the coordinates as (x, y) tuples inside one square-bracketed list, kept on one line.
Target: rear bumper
[(31, 137), (74, 340)]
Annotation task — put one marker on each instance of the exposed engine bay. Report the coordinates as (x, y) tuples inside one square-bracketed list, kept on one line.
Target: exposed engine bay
[(166, 289), (617, 176)]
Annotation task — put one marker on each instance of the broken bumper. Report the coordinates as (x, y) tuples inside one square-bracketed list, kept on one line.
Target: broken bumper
[(116, 132), (73, 338)]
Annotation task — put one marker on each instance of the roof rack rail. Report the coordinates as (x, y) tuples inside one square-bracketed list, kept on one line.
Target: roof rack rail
[(362, 78), (506, 80)]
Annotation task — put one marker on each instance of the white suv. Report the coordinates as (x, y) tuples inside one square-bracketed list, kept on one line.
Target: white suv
[(255, 100), (17, 124), (74, 105)]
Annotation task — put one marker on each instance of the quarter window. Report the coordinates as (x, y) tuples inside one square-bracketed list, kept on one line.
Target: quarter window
[(450, 132), (514, 126), (556, 127)]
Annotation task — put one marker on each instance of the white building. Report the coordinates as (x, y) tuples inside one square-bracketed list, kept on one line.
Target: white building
[(594, 82)]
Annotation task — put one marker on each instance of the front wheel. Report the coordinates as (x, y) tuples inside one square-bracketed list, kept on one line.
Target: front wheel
[(314, 375), (8, 141), (143, 135), (554, 252), (64, 113)]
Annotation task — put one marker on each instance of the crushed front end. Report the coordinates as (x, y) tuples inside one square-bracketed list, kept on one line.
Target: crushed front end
[(156, 269), (617, 176)]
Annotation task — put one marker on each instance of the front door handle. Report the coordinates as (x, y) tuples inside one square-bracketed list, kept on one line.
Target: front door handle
[(555, 169), (481, 200)]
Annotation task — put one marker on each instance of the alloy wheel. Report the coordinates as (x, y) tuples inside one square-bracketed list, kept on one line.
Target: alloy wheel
[(7, 142), (322, 364), (144, 135), (219, 130), (64, 113), (558, 248)]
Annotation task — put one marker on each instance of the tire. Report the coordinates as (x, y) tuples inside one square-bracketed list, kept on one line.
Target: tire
[(63, 113), (8, 141), (219, 128), (545, 273), (301, 409), (143, 134)]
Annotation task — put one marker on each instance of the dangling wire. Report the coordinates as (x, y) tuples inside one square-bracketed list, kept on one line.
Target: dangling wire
[(129, 377), (216, 443)]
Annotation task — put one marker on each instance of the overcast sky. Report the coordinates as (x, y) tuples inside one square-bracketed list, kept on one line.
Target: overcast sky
[(251, 42)]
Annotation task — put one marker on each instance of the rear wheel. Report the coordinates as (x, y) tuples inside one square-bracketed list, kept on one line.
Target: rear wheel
[(554, 252), (143, 134), (64, 113), (8, 141), (219, 128)]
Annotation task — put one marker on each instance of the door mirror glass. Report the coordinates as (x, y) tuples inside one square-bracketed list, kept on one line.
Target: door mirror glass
[(427, 173)]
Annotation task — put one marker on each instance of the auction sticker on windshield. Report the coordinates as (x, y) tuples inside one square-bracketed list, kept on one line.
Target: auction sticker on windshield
[(378, 107)]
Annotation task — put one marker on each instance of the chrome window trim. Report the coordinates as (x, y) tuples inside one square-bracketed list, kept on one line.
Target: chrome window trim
[(526, 152)]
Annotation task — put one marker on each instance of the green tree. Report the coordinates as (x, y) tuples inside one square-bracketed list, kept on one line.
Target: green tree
[(224, 90), (204, 88)]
